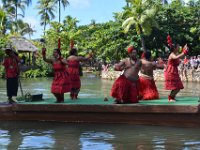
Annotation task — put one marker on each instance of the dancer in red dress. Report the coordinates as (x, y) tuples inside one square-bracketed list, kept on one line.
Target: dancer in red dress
[(172, 78), (73, 62), (61, 81), (125, 88), (147, 88)]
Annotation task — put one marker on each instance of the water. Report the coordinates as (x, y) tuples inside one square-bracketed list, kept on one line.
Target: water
[(82, 136), (44, 135)]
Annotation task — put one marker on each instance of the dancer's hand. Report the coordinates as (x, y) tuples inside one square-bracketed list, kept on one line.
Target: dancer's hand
[(185, 49)]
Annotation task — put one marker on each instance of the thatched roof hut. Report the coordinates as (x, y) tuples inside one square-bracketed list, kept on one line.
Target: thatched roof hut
[(22, 45)]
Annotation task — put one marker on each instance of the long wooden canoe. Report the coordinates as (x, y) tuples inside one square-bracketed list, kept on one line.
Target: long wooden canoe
[(185, 112)]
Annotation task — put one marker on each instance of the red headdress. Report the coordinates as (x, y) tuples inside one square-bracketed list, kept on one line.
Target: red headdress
[(130, 49), (169, 41)]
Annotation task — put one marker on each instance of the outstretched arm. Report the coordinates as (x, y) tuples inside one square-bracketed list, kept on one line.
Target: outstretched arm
[(90, 55), (184, 52), (120, 66), (44, 56)]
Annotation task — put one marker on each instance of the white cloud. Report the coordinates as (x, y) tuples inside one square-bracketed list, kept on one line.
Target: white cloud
[(79, 3)]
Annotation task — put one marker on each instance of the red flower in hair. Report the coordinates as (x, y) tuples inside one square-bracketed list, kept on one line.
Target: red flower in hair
[(130, 49)]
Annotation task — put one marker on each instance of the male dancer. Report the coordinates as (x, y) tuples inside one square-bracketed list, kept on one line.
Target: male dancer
[(125, 88)]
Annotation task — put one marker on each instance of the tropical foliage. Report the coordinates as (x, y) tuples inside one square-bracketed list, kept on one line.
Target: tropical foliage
[(142, 23)]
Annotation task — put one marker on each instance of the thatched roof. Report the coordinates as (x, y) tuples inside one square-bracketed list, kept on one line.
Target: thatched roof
[(22, 45)]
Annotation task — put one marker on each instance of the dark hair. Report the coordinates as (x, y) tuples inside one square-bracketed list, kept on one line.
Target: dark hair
[(173, 47), (58, 51), (73, 51), (147, 55)]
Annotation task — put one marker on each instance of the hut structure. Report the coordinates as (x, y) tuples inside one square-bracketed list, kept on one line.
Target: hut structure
[(23, 46)]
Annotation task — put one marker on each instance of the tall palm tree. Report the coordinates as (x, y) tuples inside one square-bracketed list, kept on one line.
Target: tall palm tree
[(3, 20), (70, 25), (46, 11), (64, 4), (141, 14), (13, 5)]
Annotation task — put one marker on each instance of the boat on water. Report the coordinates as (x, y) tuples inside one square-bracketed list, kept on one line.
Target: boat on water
[(183, 113)]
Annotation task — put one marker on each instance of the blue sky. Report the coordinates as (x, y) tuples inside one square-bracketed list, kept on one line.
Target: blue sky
[(83, 10)]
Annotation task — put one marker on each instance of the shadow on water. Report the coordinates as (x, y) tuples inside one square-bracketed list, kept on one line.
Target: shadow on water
[(44, 135)]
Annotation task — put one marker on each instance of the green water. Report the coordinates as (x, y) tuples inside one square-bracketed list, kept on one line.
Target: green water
[(82, 136)]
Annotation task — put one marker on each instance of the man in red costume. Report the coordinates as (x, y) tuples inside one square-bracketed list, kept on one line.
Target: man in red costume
[(12, 72), (125, 88), (148, 89)]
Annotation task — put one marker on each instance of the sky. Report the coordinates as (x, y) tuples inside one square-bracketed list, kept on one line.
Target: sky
[(84, 10)]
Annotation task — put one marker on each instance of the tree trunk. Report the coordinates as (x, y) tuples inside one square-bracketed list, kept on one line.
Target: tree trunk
[(59, 12), (142, 39)]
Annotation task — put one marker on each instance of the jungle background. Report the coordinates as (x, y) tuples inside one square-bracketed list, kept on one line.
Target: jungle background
[(144, 24)]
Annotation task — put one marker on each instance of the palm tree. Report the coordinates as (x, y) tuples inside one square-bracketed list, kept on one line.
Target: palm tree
[(46, 11), (70, 25), (141, 14), (13, 5), (64, 3), (3, 20)]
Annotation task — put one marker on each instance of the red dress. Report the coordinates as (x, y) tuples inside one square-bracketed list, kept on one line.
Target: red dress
[(172, 78), (61, 80), (124, 89), (147, 89), (73, 70)]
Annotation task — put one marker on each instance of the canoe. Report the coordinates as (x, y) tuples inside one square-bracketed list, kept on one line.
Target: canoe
[(183, 113)]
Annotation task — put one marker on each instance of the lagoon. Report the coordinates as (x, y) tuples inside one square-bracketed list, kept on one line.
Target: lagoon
[(83, 136)]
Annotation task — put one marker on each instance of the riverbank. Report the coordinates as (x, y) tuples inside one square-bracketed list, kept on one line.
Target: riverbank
[(190, 76)]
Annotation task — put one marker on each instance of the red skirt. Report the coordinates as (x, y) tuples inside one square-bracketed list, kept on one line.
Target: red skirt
[(75, 81), (124, 89), (61, 83), (172, 81), (147, 89)]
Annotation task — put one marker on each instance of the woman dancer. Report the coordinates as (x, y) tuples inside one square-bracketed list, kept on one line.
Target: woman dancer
[(73, 62), (61, 81), (172, 78)]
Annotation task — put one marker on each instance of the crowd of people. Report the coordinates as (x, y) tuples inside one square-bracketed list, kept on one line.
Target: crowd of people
[(135, 83)]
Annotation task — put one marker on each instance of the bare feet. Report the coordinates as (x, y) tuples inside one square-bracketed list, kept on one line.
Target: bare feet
[(171, 100)]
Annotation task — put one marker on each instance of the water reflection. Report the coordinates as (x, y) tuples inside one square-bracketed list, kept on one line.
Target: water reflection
[(44, 135), (91, 140)]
